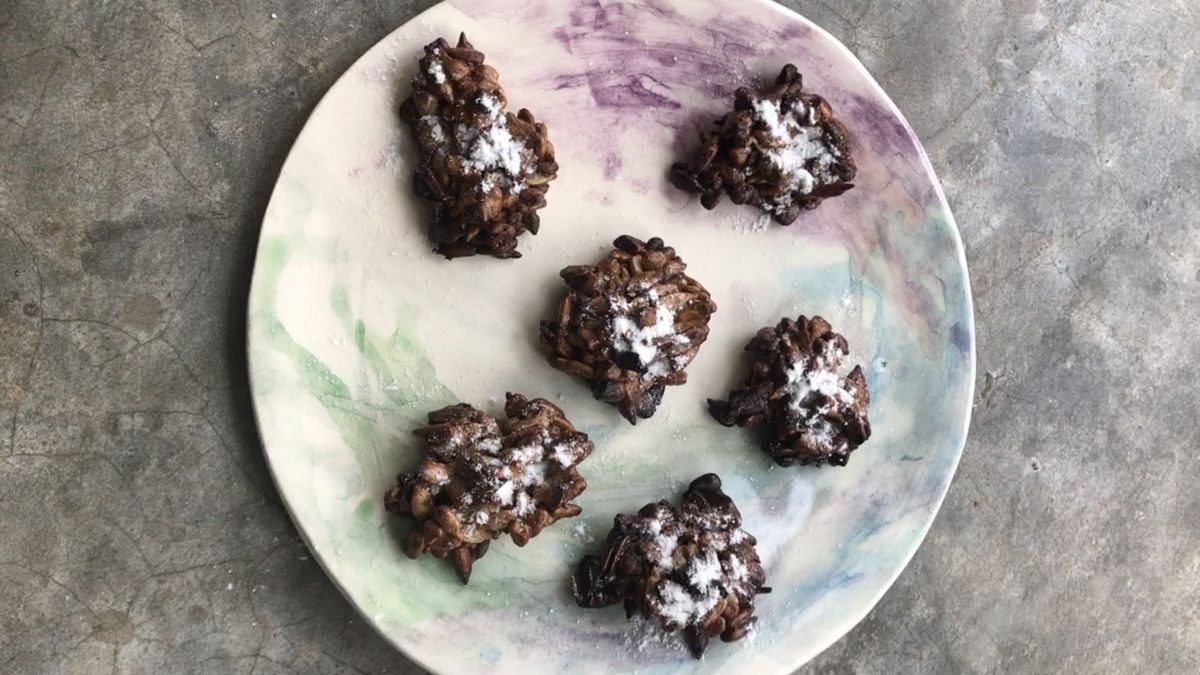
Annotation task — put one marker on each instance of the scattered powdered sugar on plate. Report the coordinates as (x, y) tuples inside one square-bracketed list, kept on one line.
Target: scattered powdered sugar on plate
[(384, 70), (582, 532), (644, 635), (751, 637), (747, 222)]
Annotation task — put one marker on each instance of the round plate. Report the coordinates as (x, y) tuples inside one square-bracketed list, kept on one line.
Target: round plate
[(357, 330)]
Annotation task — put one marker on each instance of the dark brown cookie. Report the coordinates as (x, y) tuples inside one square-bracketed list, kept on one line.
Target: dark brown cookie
[(629, 325), (811, 413), (485, 170), (780, 149), (690, 567), (482, 478)]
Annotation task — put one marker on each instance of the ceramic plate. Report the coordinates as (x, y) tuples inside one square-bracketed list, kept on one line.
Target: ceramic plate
[(357, 330)]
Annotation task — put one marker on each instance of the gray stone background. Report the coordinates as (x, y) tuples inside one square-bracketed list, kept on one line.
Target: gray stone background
[(139, 531)]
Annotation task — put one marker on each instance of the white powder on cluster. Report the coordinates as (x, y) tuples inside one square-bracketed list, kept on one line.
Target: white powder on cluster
[(512, 492), (681, 607), (514, 471), (823, 380), (564, 455), (524, 504), (644, 341), (491, 104), (737, 568), (769, 114), (488, 183), (526, 453), (505, 492), (800, 154), (819, 433), (802, 382), (435, 71), (704, 571), (533, 474), (706, 577), (666, 544), (434, 124), (490, 445), (688, 605), (492, 151)]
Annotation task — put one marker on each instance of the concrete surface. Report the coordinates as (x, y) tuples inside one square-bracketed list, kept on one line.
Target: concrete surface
[(139, 532)]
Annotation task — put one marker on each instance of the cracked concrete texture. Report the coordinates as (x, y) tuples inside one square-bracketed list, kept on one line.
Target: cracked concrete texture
[(140, 531)]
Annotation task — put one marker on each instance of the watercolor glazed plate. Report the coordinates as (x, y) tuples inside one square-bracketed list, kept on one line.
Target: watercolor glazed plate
[(356, 330)]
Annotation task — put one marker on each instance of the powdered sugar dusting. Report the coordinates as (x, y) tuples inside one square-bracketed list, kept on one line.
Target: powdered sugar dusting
[(645, 341), (492, 151), (822, 379), (666, 544), (564, 454), (533, 474), (821, 382), (491, 104), (692, 585), (494, 147), (645, 635), (514, 469), (798, 148), (526, 453), (504, 493), (582, 532), (524, 505), (704, 570), (681, 607), (489, 150), (435, 71), (434, 124)]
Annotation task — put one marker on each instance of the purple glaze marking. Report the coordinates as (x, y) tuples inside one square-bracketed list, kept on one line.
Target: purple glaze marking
[(661, 8), (628, 70), (612, 164), (568, 81), (637, 90), (961, 338)]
